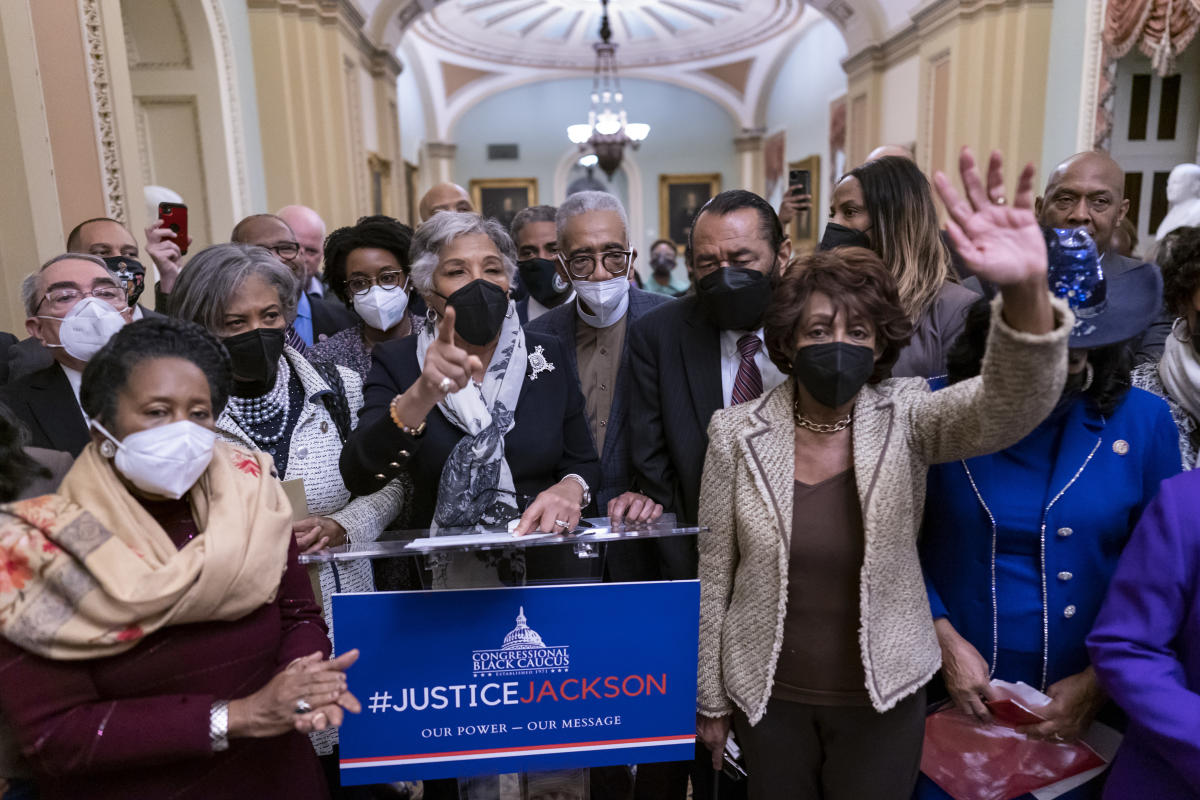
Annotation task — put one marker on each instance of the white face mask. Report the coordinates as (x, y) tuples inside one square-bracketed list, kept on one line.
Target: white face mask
[(165, 461), (381, 308), (87, 327), (608, 300)]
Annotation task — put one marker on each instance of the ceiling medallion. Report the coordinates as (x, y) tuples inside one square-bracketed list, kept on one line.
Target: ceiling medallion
[(607, 131)]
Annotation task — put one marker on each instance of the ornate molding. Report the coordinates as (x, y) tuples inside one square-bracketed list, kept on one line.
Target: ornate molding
[(185, 54), (103, 115), (1090, 130), (227, 74)]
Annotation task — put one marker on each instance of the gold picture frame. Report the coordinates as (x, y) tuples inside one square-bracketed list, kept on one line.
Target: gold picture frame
[(805, 228), (502, 198), (679, 198)]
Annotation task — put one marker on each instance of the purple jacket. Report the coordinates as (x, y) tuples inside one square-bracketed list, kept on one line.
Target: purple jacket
[(1145, 647)]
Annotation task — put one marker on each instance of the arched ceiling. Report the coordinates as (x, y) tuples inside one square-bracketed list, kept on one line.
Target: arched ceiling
[(559, 33)]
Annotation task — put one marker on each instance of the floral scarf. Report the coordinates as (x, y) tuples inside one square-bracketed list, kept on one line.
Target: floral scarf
[(87, 572)]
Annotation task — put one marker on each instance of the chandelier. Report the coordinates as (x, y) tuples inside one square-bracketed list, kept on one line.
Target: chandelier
[(607, 131)]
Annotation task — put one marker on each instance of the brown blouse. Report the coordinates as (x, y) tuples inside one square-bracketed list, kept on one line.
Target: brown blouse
[(820, 662)]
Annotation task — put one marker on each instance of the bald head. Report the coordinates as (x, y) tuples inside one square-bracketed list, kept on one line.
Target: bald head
[(889, 150), (1085, 191), (310, 233), (271, 232), (444, 197)]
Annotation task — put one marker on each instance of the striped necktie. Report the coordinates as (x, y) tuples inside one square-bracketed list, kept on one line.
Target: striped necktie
[(293, 340), (748, 383)]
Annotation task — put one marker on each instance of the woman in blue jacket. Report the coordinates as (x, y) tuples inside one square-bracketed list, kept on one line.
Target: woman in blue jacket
[(1019, 546)]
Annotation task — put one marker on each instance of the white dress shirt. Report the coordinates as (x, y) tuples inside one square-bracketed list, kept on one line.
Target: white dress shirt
[(731, 360), (75, 378)]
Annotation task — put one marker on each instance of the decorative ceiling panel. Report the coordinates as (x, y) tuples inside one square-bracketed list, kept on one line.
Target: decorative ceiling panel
[(558, 33)]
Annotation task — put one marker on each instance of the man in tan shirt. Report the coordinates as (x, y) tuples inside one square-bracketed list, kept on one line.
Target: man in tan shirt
[(595, 256)]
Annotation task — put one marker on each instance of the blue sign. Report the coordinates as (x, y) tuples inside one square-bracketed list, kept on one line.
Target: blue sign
[(486, 681)]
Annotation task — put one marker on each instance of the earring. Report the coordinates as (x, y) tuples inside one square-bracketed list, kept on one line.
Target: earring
[(1088, 375), (512, 309), (108, 449)]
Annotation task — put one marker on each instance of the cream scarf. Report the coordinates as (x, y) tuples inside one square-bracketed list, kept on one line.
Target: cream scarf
[(88, 572)]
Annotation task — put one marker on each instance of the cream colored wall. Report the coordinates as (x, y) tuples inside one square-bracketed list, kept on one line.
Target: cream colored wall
[(188, 133), (319, 126), (994, 58), (899, 87), (67, 133)]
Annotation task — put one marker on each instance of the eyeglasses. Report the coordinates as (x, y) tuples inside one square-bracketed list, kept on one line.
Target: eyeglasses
[(57, 298), (616, 262), (385, 280), (285, 249)]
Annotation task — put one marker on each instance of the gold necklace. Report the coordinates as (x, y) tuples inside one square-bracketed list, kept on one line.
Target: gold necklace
[(820, 427)]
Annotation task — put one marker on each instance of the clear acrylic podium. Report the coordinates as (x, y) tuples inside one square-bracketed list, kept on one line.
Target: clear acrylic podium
[(478, 557)]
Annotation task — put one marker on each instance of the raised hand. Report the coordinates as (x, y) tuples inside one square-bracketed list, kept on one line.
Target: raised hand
[(448, 367), (1000, 243), (166, 254)]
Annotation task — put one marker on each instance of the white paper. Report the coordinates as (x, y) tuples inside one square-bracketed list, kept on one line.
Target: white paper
[(498, 537)]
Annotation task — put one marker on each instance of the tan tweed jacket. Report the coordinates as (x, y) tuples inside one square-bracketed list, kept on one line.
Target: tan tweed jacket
[(900, 428)]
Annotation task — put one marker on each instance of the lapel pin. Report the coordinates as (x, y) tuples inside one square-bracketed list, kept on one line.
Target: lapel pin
[(1120, 447), (538, 363)]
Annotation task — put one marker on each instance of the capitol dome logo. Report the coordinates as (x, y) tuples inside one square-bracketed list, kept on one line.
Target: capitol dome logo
[(523, 653)]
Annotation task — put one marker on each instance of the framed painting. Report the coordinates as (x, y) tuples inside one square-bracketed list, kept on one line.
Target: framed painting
[(502, 198), (679, 198), (805, 230)]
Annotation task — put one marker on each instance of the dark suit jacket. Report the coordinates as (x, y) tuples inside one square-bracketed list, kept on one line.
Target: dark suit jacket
[(675, 358), (29, 355), (1150, 346), (616, 468), (46, 406), (7, 340), (549, 439), (330, 316)]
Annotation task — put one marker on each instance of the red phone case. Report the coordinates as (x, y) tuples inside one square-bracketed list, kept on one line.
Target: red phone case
[(174, 216)]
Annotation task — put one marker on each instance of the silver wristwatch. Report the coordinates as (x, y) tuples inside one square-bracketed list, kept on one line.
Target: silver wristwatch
[(587, 493), (218, 726)]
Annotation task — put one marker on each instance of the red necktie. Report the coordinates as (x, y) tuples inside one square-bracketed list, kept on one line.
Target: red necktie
[(748, 383)]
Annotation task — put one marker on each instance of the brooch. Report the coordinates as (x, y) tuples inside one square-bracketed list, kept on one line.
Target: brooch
[(538, 363)]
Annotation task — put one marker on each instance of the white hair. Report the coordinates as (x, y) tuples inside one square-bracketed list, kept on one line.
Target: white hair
[(443, 228), (582, 203)]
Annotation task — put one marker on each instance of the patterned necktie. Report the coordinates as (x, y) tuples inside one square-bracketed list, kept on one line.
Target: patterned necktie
[(293, 340), (748, 383)]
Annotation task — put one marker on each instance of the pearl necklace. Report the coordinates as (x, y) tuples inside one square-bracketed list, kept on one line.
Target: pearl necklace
[(255, 411)]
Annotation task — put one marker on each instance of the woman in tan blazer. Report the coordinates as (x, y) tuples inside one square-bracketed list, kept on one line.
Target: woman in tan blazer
[(816, 638)]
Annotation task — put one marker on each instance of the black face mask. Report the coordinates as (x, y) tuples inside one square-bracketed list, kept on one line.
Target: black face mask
[(131, 273), (480, 308), (255, 359), (833, 372), (840, 236), (540, 276), (735, 298), (662, 264)]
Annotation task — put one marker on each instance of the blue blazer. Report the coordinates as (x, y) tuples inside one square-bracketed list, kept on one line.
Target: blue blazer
[(616, 464), (1095, 499)]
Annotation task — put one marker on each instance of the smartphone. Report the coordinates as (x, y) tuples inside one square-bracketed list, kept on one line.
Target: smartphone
[(801, 178), (174, 216)]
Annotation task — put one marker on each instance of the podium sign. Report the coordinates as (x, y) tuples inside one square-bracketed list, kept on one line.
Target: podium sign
[(485, 681)]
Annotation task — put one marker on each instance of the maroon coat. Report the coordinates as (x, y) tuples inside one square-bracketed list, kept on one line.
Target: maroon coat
[(136, 725)]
